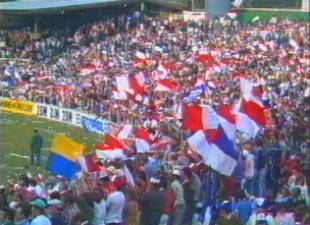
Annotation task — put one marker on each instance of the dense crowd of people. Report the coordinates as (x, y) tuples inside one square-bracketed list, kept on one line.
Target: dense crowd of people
[(79, 71)]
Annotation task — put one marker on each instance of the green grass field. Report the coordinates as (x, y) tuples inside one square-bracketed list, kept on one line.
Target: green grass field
[(18, 130)]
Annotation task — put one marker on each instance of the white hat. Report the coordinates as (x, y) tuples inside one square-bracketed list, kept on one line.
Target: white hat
[(53, 202), (176, 172), (154, 180), (245, 153)]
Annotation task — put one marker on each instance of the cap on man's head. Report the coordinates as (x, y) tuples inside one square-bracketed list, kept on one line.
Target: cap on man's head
[(39, 203), (226, 206), (176, 172)]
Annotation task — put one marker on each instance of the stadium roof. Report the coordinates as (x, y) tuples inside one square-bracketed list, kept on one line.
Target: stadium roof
[(53, 6)]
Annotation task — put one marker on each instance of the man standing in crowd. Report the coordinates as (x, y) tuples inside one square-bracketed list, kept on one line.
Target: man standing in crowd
[(38, 210), (177, 188), (152, 203), (35, 147), (114, 206)]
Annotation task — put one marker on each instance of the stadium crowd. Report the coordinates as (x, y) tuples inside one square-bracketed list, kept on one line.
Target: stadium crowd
[(80, 71)]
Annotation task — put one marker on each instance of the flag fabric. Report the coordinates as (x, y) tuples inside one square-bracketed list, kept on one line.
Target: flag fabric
[(143, 140), (254, 110), (67, 147), (114, 142), (246, 125), (219, 138), (167, 86), (63, 166), (88, 69), (205, 57), (140, 55), (199, 118), (111, 148), (104, 151), (228, 127), (237, 121), (122, 83), (120, 95), (128, 176), (217, 152), (163, 142), (251, 91), (64, 155), (132, 85), (245, 86), (125, 131)]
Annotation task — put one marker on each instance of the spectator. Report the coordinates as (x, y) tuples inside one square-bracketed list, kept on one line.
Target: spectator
[(38, 211), (152, 203), (114, 206), (178, 190)]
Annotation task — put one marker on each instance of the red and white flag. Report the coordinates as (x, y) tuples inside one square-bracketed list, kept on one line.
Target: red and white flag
[(111, 148), (143, 140), (104, 151), (125, 131), (240, 120), (199, 118), (167, 86), (160, 73)]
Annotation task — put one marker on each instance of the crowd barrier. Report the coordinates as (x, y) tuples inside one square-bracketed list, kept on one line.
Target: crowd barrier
[(73, 117)]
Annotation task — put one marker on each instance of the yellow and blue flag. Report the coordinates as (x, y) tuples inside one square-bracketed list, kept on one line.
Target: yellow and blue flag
[(64, 156)]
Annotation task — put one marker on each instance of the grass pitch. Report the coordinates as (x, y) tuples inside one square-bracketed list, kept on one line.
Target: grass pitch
[(17, 133)]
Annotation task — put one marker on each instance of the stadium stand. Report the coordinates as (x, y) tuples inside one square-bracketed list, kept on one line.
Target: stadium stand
[(211, 119)]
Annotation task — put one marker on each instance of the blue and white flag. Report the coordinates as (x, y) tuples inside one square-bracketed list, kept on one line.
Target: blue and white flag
[(203, 88)]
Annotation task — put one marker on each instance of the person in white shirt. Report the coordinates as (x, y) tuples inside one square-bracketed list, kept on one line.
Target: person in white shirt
[(114, 207), (177, 188), (38, 211), (249, 172)]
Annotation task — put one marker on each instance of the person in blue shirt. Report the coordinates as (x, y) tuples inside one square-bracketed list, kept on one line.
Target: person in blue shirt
[(243, 207)]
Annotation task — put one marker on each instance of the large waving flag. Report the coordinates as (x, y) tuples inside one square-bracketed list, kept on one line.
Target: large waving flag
[(251, 103), (238, 120), (133, 85), (166, 86), (104, 151), (64, 156), (143, 140), (112, 148), (218, 152), (246, 125), (114, 142), (199, 118), (254, 110)]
